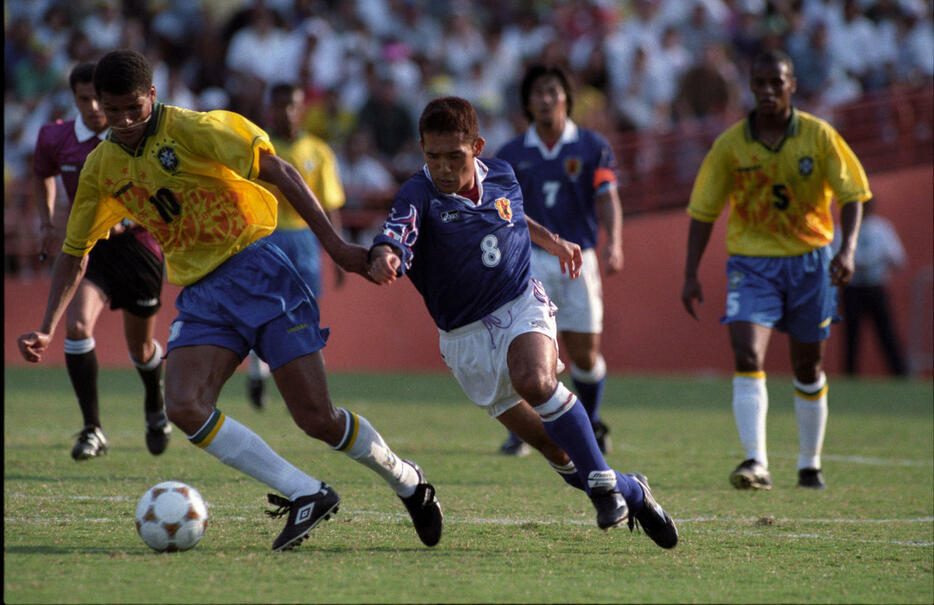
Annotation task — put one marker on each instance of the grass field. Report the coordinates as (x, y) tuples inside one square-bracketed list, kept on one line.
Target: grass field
[(514, 532)]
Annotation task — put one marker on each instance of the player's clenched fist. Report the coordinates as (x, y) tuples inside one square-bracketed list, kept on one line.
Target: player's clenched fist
[(33, 345), (384, 265)]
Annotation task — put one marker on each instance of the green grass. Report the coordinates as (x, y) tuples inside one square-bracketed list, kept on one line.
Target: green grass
[(514, 532)]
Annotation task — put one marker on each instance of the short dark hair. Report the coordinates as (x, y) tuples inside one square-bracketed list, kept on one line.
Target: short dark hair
[(82, 73), (774, 57), (282, 88), (449, 115), (537, 71), (122, 71)]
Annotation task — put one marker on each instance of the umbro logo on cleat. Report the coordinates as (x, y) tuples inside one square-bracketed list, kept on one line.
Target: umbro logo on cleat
[(304, 513)]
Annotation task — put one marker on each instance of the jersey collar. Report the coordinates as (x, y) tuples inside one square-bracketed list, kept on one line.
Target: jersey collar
[(151, 128), (480, 172), (84, 134), (568, 135), (752, 133)]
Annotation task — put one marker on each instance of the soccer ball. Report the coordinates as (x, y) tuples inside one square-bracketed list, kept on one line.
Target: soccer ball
[(171, 516)]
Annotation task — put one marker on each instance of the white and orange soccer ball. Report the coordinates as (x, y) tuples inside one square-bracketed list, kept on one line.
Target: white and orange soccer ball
[(171, 516)]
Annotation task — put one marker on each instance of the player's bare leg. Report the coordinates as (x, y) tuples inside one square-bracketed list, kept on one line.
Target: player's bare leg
[(750, 403), (810, 408), (303, 385), (532, 360), (146, 354), (81, 362), (588, 372), (194, 378)]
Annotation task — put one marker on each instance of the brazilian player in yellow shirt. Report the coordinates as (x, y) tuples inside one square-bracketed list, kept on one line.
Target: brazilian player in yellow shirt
[(315, 161), (188, 178), (779, 170)]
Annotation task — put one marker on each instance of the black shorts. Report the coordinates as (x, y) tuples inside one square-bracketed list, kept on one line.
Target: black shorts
[(129, 274)]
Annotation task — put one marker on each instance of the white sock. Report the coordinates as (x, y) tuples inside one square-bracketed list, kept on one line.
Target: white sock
[(256, 367), (362, 443), (154, 361), (750, 404), (237, 446), (591, 376), (811, 410)]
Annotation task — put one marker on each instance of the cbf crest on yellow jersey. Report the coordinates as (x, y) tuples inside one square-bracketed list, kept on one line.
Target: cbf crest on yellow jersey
[(315, 161), (188, 182), (779, 197)]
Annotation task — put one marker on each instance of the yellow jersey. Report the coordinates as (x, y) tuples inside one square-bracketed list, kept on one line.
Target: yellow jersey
[(779, 197), (315, 161), (188, 182)]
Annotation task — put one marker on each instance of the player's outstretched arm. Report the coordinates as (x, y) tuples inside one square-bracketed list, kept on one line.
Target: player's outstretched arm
[(275, 170), (698, 236), (66, 275), (568, 253), (610, 217), (843, 263)]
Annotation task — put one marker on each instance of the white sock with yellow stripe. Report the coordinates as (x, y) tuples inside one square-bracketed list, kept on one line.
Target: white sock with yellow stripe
[(362, 443), (237, 446), (811, 410), (750, 405)]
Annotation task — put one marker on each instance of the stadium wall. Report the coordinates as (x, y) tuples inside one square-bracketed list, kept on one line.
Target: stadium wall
[(646, 331)]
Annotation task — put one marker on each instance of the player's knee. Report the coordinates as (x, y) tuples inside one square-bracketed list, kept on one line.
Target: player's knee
[(746, 359), (186, 410), (78, 330), (327, 425), (534, 384)]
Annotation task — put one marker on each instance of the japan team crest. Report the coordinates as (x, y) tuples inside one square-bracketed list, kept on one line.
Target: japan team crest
[(167, 158), (572, 167), (504, 209), (805, 165)]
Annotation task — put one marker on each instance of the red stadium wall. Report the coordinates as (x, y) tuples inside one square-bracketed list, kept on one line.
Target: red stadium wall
[(646, 330)]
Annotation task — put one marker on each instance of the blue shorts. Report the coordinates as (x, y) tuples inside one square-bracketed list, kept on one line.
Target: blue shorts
[(254, 300), (790, 293), (301, 246)]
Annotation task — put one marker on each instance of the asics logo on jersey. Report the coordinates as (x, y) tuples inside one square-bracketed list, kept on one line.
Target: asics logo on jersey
[(449, 216)]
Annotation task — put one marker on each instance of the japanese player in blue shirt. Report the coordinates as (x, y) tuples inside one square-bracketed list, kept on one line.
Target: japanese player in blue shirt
[(459, 231)]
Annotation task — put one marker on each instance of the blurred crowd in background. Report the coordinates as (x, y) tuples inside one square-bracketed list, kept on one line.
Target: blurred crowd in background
[(369, 66)]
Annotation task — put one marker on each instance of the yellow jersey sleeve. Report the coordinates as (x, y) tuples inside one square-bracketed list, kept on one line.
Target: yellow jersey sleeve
[(93, 213), (317, 164)]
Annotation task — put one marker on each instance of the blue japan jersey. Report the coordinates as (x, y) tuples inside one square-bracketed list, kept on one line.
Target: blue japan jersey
[(560, 185), (465, 259)]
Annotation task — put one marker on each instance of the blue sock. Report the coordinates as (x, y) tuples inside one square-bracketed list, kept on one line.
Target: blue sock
[(626, 485), (588, 384), (567, 424), (631, 491), (590, 394)]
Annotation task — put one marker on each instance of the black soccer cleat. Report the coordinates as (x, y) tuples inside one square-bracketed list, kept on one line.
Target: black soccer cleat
[(157, 435), (602, 434), (811, 478), (425, 509), (91, 443), (655, 522), (305, 512), (612, 510), (750, 474), (256, 392)]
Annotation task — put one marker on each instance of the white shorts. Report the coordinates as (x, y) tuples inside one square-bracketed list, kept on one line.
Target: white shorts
[(579, 301), (476, 353)]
